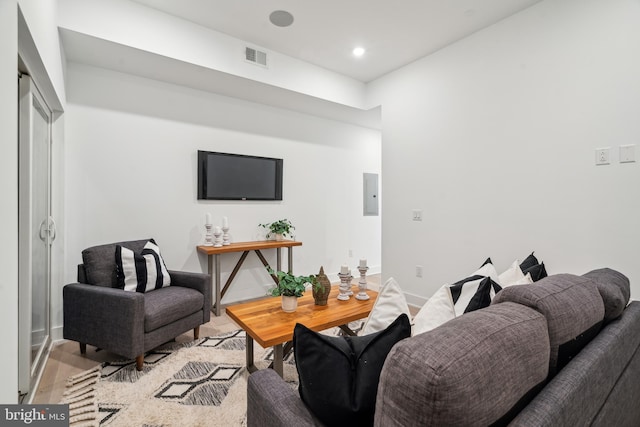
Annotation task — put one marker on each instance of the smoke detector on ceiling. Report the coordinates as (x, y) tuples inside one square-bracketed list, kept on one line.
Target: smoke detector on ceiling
[(255, 56)]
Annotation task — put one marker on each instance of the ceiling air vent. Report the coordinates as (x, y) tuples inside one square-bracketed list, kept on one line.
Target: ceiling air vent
[(255, 56)]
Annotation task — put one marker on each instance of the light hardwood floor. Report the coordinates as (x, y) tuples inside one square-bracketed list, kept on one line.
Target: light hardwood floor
[(65, 359)]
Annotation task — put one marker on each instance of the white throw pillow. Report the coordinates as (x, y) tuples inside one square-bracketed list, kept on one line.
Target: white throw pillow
[(436, 311), (511, 275), (390, 304), (525, 280)]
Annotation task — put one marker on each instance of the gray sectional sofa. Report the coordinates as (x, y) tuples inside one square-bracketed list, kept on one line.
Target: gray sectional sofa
[(564, 351)]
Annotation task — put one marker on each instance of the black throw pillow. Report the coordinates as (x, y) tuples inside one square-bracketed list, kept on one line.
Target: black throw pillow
[(537, 272), (529, 262), (339, 376)]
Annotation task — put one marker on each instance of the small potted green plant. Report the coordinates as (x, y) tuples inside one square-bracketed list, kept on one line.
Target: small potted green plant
[(290, 287), (279, 229)]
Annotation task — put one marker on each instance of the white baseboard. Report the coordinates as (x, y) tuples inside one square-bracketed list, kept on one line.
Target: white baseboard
[(56, 333), (415, 300)]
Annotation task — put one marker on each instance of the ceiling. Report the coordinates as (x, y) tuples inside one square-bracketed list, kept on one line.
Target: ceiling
[(324, 32)]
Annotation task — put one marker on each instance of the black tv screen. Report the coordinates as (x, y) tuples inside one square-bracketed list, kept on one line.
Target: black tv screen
[(224, 176)]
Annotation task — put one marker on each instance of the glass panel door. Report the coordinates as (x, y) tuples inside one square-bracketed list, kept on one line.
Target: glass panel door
[(36, 233)]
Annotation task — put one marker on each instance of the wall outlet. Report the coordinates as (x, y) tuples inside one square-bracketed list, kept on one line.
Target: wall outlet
[(603, 155), (417, 214), (418, 271), (350, 253)]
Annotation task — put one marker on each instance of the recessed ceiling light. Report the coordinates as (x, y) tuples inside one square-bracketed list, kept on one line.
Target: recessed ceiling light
[(281, 18), (358, 51)]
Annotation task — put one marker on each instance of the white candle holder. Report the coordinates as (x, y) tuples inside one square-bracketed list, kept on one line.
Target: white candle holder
[(225, 236), (345, 286), (218, 235), (208, 241), (362, 284)]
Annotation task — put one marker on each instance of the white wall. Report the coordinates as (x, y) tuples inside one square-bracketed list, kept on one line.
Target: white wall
[(131, 147), (152, 31), (494, 138), (9, 205)]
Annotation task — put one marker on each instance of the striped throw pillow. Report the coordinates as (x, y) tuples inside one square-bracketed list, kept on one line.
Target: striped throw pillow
[(473, 293), (141, 272)]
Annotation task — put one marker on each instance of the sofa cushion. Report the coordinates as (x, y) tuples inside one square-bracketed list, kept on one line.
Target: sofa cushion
[(142, 271), (161, 307), (477, 369), (338, 376), (572, 306), (390, 304), (100, 262), (614, 290)]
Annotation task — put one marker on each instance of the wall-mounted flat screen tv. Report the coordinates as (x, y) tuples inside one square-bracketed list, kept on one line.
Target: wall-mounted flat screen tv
[(224, 176)]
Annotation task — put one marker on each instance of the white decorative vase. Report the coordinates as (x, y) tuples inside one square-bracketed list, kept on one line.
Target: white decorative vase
[(279, 237), (289, 304)]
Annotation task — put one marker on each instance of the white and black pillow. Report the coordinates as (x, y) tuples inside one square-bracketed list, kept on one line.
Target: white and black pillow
[(473, 293), (141, 272)]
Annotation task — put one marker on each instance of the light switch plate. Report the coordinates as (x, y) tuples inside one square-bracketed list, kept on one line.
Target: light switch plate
[(627, 153)]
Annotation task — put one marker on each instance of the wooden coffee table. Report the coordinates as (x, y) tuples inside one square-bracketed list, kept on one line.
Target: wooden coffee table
[(264, 321)]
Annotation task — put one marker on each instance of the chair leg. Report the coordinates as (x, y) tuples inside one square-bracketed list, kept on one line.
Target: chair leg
[(83, 348), (196, 332), (139, 362)]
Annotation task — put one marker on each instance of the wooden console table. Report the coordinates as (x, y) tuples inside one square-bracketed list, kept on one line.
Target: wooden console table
[(213, 258)]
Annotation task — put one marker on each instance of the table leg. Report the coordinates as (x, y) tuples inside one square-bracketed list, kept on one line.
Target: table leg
[(290, 258), (218, 294), (213, 281), (347, 330), (277, 359), (279, 259), (251, 367)]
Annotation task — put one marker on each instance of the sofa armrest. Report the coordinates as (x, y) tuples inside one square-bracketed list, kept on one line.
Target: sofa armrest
[(108, 318), (272, 402), (198, 281)]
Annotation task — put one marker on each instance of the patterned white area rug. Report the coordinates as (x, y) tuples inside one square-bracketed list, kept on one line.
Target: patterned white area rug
[(199, 383)]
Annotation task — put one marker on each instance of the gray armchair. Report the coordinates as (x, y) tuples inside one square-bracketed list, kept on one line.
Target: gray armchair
[(96, 312)]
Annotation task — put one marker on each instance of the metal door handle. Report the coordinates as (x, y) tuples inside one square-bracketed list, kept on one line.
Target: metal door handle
[(48, 230), (44, 228), (52, 229)]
